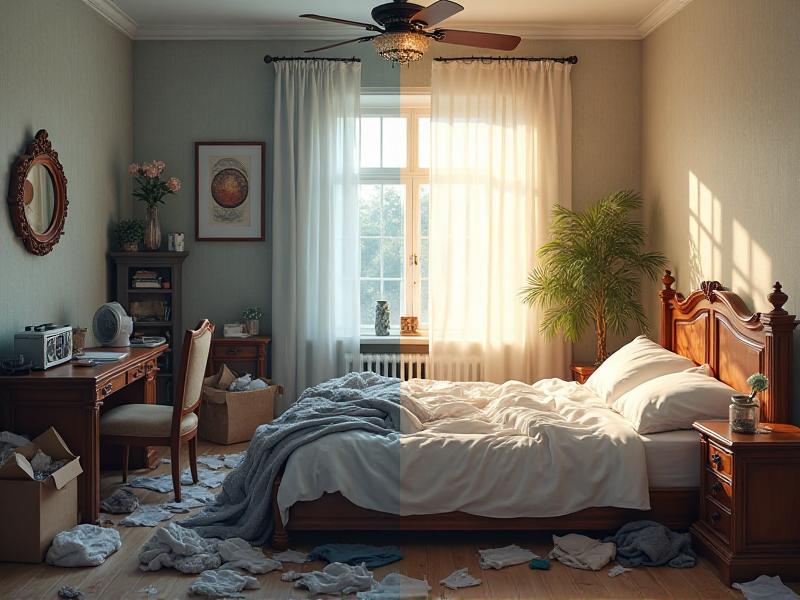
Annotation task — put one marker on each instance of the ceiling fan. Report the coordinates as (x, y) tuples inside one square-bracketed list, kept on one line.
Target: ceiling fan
[(403, 30)]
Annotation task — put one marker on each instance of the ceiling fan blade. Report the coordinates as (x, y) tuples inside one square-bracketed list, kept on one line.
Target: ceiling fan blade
[(361, 39), (436, 13), (495, 41), (367, 26)]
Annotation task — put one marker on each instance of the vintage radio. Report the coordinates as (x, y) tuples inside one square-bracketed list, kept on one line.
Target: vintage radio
[(45, 345)]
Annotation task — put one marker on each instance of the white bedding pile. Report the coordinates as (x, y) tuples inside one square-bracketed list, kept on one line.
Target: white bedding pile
[(509, 450)]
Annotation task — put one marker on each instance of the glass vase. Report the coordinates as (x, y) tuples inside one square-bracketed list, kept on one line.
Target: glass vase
[(152, 230), (743, 414), (382, 317)]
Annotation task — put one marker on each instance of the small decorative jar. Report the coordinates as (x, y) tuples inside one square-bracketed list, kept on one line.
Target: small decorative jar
[(382, 317), (251, 326), (78, 340), (744, 414)]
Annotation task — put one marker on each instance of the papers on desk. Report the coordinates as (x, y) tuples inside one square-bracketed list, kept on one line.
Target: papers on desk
[(104, 357)]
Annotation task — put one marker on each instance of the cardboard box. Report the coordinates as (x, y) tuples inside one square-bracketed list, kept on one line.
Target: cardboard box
[(232, 417), (32, 512)]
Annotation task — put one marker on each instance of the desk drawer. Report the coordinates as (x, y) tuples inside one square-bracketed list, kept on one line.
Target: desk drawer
[(226, 351), (109, 386), (136, 372), (719, 460)]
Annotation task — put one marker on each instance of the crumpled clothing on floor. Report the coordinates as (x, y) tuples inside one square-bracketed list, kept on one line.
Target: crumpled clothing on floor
[(232, 461), (650, 544), (237, 553), (581, 552), (191, 497), (148, 515), (223, 583), (83, 546), (396, 586), (150, 590), (460, 579), (70, 592), (179, 548), (764, 587), (163, 483), (212, 462), (618, 570), (291, 556), (121, 502), (357, 554), (291, 576), (507, 556), (337, 578)]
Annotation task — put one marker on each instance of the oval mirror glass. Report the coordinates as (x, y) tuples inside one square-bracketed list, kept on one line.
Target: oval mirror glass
[(39, 197)]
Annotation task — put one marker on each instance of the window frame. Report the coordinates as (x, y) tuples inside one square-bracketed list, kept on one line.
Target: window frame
[(413, 105)]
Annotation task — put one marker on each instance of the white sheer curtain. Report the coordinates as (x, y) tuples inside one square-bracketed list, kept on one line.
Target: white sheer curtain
[(315, 262), (501, 158)]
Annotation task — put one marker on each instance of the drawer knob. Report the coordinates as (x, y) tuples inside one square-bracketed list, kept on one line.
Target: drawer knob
[(715, 517), (717, 460), (233, 351), (716, 488), (107, 389)]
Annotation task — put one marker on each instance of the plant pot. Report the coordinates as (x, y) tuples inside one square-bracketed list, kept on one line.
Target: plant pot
[(251, 326), (130, 247), (152, 230)]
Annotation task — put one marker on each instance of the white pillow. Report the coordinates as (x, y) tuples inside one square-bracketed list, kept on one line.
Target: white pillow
[(636, 362), (675, 401)]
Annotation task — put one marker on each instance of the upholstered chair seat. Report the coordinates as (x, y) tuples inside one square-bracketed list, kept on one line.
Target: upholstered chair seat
[(143, 420)]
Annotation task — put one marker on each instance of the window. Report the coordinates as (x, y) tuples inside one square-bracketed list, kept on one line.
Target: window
[(394, 197)]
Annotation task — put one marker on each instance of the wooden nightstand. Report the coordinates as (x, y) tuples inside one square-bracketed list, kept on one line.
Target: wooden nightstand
[(749, 500), (243, 355), (581, 373)]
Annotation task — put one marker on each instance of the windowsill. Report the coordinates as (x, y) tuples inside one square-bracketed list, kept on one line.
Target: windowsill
[(413, 344)]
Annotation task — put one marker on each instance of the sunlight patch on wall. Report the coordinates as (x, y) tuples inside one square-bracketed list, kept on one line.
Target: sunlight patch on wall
[(705, 233), (752, 266)]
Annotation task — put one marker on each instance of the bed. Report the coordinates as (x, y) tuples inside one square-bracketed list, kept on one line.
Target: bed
[(711, 325)]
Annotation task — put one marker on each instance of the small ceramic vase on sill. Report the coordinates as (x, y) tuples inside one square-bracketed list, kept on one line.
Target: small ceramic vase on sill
[(743, 414), (382, 317), (152, 230)]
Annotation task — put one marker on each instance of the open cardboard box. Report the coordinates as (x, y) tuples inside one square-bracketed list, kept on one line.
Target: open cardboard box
[(32, 512)]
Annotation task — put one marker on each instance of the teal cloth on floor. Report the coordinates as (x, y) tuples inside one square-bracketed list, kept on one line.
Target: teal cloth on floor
[(539, 563), (356, 554)]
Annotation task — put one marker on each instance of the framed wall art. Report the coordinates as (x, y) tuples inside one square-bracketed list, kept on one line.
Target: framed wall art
[(229, 191)]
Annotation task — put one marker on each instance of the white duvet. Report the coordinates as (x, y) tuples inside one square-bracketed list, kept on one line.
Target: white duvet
[(509, 450)]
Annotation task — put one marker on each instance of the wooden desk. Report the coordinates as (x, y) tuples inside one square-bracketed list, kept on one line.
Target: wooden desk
[(70, 398)]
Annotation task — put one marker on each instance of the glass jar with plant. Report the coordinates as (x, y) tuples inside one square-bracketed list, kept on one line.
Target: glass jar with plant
[(591, 271), (251, 316), (151, 189), (129, 234), (744, 411)]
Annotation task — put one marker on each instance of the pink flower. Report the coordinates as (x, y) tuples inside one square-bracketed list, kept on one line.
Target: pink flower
[(161, 165), (174, 184), (133, 169), (150, 169)]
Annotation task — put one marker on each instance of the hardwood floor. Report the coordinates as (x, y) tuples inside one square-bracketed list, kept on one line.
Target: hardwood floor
[(428, 556)]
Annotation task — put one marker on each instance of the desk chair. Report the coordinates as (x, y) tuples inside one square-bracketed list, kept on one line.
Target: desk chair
[(172, 426)]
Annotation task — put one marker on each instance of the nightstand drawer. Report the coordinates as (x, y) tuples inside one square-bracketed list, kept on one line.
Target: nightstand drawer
[(718, 489), (718, 519), (720, 461)]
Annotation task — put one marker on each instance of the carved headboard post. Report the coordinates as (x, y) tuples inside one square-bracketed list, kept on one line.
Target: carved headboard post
[(667, 295), (779, 327)]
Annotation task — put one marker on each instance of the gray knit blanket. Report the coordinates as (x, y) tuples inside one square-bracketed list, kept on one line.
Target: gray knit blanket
[(650, 544), (363, 401)]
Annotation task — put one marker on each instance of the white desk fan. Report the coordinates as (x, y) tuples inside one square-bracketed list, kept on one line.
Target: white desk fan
[(112, 326)]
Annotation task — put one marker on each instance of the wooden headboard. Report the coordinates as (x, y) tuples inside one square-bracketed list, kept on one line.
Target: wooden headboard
[(714, 326)]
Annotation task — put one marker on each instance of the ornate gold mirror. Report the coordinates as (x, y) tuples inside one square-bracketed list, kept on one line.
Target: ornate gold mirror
[(38, 196)]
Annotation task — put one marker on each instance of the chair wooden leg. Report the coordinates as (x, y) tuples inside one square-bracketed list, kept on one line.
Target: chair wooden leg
[(193, 458), (126, 452), (175, 457)]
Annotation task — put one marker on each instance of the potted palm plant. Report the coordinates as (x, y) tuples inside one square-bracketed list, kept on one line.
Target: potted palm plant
[(591, 270)]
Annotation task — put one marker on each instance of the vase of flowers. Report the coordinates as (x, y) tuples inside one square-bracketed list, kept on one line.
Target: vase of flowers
[(744, 410), (129, 234), (251, 317), (152, 187)]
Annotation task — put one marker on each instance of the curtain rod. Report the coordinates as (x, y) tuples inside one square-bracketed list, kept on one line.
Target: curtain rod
[(271, 59), (573, 60)]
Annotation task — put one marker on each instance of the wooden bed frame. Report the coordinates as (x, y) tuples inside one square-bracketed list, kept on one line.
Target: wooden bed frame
[(711, 326)]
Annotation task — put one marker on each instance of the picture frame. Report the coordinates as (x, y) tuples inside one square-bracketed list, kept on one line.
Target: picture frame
[(229, 191)]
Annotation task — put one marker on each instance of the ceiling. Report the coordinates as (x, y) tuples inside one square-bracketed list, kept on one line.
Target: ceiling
[(264, 19)]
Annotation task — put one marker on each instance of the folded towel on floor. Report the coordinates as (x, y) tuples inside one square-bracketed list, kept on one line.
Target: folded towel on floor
[(650, 544), (357, 554), (499, 558), (581, 552)]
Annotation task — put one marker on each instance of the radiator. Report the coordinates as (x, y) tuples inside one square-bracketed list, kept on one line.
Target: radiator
[(411, 366)]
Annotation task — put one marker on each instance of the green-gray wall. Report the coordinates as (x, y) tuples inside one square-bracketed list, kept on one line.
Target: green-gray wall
[(64, 69), (186, 91)]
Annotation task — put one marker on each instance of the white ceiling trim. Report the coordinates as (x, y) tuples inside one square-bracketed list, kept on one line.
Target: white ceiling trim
[(114, 15), (312, 31), (660, 15)]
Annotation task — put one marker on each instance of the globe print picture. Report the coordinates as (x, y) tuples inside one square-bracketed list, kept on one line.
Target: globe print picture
[(229, 188)]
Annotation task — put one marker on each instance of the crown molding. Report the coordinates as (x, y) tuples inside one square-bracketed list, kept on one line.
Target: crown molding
[(114, 15), (660, 15)]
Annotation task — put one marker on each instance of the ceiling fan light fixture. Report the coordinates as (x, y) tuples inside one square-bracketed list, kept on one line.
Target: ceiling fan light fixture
[(401, 46)]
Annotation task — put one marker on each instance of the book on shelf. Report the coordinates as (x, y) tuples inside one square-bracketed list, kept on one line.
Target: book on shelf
[(143, 283)]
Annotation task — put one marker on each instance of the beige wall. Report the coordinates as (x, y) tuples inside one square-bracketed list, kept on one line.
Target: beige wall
[(64, 69), (721, 145)]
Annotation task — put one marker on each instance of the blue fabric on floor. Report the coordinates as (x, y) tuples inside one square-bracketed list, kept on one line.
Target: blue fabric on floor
[(650, 544), (356, 554)]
